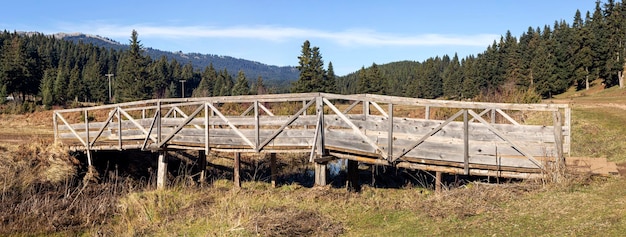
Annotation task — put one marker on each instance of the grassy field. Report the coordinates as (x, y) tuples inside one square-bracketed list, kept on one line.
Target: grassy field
[(43, 194)]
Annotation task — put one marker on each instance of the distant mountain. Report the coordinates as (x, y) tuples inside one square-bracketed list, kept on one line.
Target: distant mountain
[(280, 77)]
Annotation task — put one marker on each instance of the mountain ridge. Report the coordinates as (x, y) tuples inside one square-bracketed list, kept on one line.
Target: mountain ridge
[(277, 76)]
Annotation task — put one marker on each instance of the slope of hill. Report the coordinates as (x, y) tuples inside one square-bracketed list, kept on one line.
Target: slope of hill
[(272, 75)]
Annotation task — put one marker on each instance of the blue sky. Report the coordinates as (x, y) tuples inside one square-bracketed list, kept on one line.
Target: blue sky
[(351, 34)]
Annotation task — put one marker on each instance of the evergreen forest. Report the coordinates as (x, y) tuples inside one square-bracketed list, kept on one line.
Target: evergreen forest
[(541, 62)]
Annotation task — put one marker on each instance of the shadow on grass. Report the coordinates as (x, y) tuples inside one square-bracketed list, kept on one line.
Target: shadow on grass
[(291, 169)]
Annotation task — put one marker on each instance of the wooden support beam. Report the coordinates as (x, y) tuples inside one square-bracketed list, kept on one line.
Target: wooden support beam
[(320, 174), (438, 183), (89, 157), (162, 170), (374, 168), (273, 170), (237, 170), (202, 166), (353, 183)]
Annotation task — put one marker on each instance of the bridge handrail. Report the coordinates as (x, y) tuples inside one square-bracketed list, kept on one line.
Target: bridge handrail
[(209, 105)]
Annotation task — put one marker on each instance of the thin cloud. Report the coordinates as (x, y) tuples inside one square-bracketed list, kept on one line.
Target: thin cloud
[(274, 33)]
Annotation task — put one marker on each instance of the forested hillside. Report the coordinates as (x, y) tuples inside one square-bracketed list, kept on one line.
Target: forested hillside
[(53, 71), (275, 76), (544, 60)]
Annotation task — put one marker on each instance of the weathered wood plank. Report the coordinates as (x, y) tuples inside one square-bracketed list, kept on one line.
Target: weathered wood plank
[(459, 143)]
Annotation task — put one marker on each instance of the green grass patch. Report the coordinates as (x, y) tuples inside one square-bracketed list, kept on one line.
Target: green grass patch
[(599, 132)]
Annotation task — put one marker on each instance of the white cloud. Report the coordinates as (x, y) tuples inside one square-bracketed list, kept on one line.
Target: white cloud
[(275, 33)]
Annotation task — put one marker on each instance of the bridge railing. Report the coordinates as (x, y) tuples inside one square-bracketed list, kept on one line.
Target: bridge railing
[(467, 136)]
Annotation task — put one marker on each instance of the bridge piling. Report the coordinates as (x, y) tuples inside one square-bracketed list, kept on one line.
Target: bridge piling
[(273, 171), (202, 166), (353, 183), (162, 170), (438, 183), (320, 173), (237, 170)]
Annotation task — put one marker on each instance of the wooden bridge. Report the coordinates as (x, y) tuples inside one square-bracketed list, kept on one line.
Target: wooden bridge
[(470, 138)]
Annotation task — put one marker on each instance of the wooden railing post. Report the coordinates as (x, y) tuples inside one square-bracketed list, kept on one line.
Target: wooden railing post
[(206, 130), (390, 135), (558, 141), (257, 133), (320, 167), (158, 123), (87, 140), (465, 142), (55, 126), (119, 127)]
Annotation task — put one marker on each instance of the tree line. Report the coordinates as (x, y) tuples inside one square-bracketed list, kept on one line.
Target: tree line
[(543, 61), (53, 71)]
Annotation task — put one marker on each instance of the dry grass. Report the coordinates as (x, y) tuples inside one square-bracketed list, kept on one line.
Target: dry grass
[(68, 206), (43, 193)]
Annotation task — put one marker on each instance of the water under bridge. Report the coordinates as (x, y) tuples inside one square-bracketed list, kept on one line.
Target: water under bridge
[(454, 137)]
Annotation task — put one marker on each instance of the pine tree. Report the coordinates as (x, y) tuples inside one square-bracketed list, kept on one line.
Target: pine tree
[(18, 68), (431, 84), (47, 97), (3, 94), (319, 74), (470, 73), (260, 86), (330, 82), (95, 81), (375, 80), (59, 90), (311, 67), (132, 73), (363, 83), (160, 74), (171, 90), (582, 58), (223, 84), (543, 67), (453, 79), (306, 74), (205, 88), (188, 76), (600, 46), (76, 87), (241, 86)]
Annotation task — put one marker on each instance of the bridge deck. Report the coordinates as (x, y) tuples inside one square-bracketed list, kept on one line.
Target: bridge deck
[(506, 140)]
